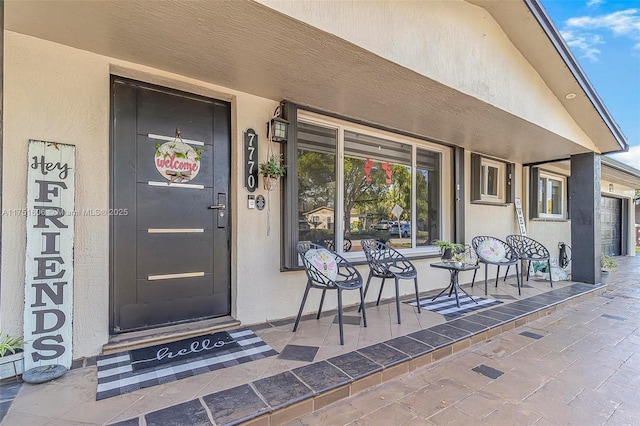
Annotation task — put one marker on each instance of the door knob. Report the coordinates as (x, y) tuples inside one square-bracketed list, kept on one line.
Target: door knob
[(218, 207)]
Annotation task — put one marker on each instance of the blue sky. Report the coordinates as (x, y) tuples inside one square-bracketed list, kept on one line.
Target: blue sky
[(604, 36)]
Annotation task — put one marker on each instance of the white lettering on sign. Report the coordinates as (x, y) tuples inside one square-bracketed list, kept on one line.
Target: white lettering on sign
[(49, 255), (195, 347)]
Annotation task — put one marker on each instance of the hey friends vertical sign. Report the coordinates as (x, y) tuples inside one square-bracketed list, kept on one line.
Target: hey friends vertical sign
[(49, 254)]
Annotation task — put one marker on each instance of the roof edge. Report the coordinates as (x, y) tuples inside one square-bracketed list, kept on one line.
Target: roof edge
[(558, 42), (618, 165)]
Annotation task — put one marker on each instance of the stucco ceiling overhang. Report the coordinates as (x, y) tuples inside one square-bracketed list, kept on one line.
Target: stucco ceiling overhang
[(531, 30), (249, 47)]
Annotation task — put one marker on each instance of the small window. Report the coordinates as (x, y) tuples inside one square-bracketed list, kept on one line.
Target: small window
[(548, 195), (491, 174), (491, 180)]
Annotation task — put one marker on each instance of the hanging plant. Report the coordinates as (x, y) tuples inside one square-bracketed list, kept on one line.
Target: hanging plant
[(272, 167), (271, 170)]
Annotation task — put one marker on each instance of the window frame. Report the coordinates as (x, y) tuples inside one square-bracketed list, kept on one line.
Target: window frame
[(485, 165), (479, 181), (290, 198), (536, 175), (549, 179)]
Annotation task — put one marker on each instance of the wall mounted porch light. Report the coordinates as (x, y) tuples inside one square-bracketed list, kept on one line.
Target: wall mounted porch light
[(277, 127)]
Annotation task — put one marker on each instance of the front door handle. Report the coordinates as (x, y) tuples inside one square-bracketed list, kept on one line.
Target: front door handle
[(221, 220)]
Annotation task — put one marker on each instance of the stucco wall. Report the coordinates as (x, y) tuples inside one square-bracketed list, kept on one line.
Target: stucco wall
[(453, 42), (494, 220), (548, 232), (56, 93)]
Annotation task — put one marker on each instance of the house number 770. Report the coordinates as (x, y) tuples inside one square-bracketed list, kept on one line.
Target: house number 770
[(250, 164)]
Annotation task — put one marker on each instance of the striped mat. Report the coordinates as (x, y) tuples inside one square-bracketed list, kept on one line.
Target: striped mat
[(447, 305), (116, 375)]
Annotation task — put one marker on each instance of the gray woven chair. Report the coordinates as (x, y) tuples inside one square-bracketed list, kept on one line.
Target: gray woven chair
[(329, 243), (386, 262), (530, 250), (505, 255), (347, 278)]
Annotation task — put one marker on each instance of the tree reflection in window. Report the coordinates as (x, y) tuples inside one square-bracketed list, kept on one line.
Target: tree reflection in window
[(316, 182), (376, 177)]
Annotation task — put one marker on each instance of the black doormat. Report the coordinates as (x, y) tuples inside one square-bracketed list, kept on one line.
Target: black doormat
[(207, 345), (117, 374)]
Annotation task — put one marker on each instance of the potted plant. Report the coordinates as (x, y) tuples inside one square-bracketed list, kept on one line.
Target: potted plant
[(607, 265), (10, 352), (458, 258), (271, 170), (448, 249)]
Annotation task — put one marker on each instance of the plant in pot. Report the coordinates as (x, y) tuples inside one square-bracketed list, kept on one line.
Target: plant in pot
[(271, 170), (10, 352), (607, 265), (448, 249), (458, 258)]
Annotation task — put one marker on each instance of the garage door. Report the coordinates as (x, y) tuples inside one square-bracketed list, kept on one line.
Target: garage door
[(611, 223)]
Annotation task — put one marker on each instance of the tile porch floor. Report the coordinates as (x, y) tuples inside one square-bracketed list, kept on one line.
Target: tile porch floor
[(317, 370)]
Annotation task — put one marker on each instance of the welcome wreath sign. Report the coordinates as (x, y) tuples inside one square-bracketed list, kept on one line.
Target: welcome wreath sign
[(49, 254)]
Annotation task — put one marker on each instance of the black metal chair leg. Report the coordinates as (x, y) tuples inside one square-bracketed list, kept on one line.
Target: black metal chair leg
[(340, 315), (506, 273), (304, 300), (398, 299), (497, 276), (518, 278), (473, 281), (415, 280), (486, 267), (550, 279), (380, 293), (324, 291), (528, 262), (366, 288), (364, 314)]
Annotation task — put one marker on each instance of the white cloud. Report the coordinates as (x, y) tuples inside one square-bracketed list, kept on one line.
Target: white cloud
[(592, 3), (622, 22), (584, 43), (631, 158), (579, 31)]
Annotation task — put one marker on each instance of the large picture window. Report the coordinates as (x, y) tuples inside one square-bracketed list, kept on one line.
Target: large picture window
[(355, 183)]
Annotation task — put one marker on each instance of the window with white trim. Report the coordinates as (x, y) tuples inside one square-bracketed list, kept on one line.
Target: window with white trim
[(548, 192), (551, 196), (491, 180), (361, 176)]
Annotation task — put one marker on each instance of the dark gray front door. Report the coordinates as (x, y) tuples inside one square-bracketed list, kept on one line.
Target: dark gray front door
[(170, 260), (611, 225)]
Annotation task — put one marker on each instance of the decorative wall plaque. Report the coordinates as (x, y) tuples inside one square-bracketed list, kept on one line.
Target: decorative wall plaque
[(49, 255)]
